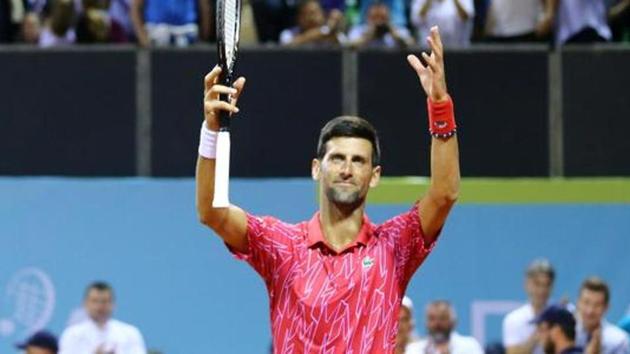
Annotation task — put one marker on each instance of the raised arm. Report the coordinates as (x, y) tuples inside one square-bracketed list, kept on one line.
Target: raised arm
[(229, 223), (444, 188), (137, 19)]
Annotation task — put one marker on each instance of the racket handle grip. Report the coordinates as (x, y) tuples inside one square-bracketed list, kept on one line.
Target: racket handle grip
[(222, 171)]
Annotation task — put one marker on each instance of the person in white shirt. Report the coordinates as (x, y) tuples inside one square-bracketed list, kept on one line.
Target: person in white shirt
[(441, 335), (582, 21), (101, 334), (453, 17), (519, 331), (520, 21), (594, 333)]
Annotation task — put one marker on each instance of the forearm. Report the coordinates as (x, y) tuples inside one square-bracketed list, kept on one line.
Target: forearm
[(445, 174), (617, 10), (204, 179), (525, 348), (138, 20), (425, 9), (461, 12), (550, 7), (204, 19)]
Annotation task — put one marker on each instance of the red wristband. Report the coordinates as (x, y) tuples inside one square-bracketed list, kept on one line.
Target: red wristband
[(441, 118)]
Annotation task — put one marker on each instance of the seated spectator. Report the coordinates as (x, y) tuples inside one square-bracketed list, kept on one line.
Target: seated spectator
[(170, 22), (556, 331), (31, 28), (619, 20), (519, 331), (100, 333), (120, 12), (396, 8), (453, 17), (11, 16), (40, 342), (594, 333), (519, 21), (58, 26), (379, 31), (406, 337), (582, 21), (441, 335), (312, 27), (96, 26)]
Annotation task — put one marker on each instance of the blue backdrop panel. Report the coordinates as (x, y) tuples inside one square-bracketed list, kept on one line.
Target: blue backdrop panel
[(179, 285)]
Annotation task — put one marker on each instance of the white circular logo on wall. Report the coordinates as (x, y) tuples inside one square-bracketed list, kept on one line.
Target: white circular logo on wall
[(30, 300)]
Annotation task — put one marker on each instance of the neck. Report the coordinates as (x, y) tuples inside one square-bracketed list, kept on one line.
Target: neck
[(340, 224), (563, 344), (538, 308), (99, 323)]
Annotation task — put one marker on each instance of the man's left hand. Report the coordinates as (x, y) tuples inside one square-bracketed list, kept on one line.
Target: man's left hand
[(432, 76)]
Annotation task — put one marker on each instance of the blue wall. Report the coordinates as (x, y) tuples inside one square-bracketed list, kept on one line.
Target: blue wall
[(179, 285)]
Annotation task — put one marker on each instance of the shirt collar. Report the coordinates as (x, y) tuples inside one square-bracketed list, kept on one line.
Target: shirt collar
[(316, 236)]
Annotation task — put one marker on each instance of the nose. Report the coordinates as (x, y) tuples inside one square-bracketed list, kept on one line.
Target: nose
[(346, 169)]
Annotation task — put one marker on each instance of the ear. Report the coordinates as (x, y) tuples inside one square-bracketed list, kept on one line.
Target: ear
[(376, 176), (315, 169)]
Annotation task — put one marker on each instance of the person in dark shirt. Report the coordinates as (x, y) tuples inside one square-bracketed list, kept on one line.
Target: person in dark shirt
[(556, 331)]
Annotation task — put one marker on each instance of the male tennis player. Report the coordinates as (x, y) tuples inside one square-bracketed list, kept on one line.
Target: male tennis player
[(336, 282)]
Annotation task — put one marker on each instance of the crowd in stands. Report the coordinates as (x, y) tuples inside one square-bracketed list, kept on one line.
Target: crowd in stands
[(318, 23), (539, 326)]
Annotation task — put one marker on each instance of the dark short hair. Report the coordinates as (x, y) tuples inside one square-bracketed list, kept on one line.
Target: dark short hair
[(351, 127), (541, 266), (596, 284), (99, 286), (568, 329), (302, 4)]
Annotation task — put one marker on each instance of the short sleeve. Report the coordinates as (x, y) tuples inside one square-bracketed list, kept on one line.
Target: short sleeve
[(269, 245), (410, 248), (512, 331)]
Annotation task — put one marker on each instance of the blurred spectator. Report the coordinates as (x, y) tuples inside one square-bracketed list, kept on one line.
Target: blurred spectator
[(170, 22), (40, 342), (58, 26), (101, 333), (120, 12), (556, 331), (272, 17), (11, 16), (406, 338), (396, 8), (582, 21), (453, 17), (31, 28), (519, 21), (379, 31), (313, 28), (441, 335), (519, 332), (594, 333), (96, 26), (619, 20)]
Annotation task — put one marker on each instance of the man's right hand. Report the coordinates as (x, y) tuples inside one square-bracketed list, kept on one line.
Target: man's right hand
[(212, 105)]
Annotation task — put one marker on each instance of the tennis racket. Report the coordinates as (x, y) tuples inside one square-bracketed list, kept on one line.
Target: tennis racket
[(228, 26)]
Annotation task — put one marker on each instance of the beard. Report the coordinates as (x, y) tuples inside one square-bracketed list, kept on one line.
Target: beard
[(549, 347), (440, 336), (347, 197)]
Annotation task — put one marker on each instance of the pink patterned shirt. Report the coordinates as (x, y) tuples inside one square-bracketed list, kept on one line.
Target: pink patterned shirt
[(322, 301)]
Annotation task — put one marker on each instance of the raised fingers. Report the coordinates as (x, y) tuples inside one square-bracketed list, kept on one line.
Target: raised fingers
[(212, 77), (216, 105), (431, 62), (238, 85), (436, 41)]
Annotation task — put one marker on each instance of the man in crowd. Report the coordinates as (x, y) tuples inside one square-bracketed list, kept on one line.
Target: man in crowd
[(594, 333), (41, 342), (441, 335), (556, 331), (100, 333), (519, 333)]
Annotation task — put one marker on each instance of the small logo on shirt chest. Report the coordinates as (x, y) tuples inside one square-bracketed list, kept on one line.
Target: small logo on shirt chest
[(367, 263)]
